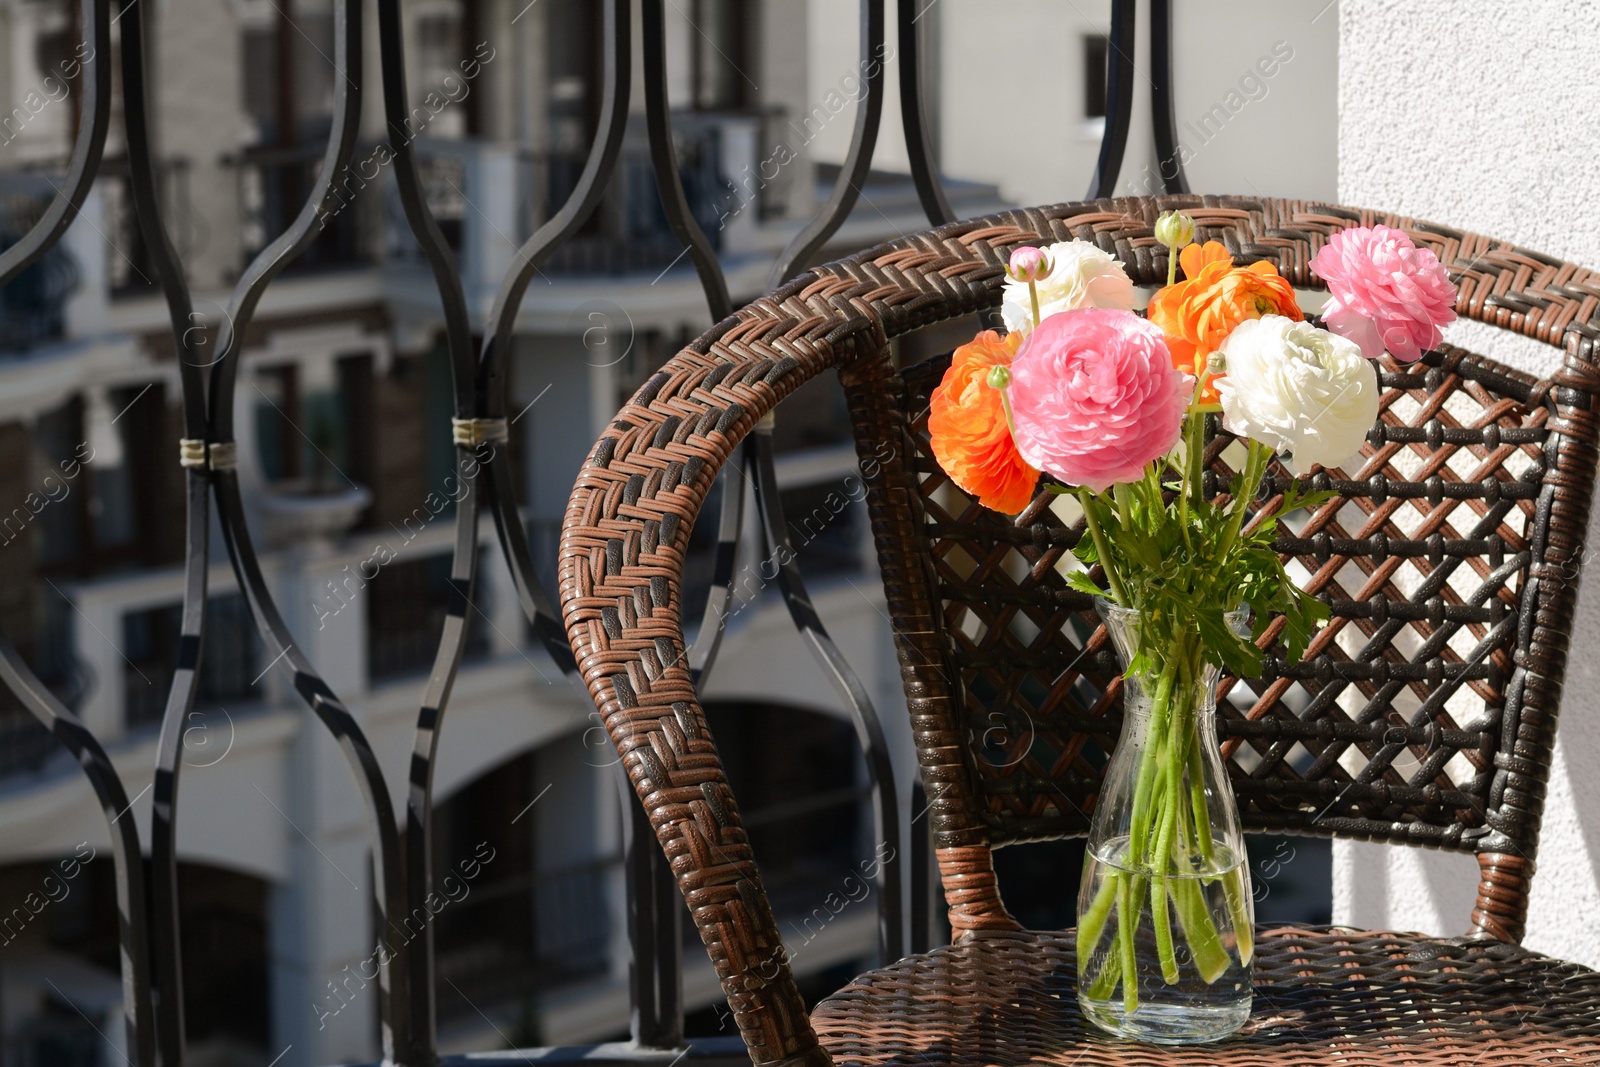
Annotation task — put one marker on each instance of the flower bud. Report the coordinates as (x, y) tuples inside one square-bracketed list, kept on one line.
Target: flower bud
[(999, 376), (1028, 265), (1174, 229)]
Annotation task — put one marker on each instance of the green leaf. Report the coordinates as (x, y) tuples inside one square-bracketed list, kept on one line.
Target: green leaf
[(1081, 581)]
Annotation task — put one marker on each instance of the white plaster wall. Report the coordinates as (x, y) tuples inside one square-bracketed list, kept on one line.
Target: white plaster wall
[(1485, 120)]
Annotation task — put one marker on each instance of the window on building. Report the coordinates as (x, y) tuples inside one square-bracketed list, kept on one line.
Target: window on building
[(288, 82), (287, 79), (574, 32), (228, 671), (407, 601), (59, 451), (1096, 47), (277, 414), (223, 916), (105, 498), (313, 423), (438, 39), (722, 55), (112, 473)]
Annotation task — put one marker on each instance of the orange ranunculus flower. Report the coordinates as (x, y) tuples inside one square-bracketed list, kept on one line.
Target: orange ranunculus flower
[(1198, 313), (967, 424)]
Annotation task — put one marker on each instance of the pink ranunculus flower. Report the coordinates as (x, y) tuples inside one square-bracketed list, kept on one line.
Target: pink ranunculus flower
[(1388, 294), (1094, 397)]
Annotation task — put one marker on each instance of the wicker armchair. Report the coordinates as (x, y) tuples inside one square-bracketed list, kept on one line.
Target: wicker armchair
[(1423, 715)]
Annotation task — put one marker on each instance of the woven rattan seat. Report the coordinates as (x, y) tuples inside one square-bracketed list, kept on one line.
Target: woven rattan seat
[(1323, 996), (1424, 714)]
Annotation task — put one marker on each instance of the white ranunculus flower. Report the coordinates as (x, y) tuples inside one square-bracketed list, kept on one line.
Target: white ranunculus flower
[(1298, 389), (1081, 276)]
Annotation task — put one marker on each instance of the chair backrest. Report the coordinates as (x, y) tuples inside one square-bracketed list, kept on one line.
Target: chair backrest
[(1424, 714)]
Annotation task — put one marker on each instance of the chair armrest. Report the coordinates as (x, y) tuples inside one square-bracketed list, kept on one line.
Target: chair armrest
[(621, 566)]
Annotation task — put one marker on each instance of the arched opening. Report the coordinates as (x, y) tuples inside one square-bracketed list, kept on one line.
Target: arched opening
[(803, 792), (530, 932), (526, 865)]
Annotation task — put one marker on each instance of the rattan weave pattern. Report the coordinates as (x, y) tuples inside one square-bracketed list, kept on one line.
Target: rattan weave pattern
[(1322, 996), (1476, 467)]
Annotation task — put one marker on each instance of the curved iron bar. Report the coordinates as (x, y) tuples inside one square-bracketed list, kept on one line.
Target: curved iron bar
[(86, 150), (127, 857), (275, 634), (869, 728), (313, 217), (719, 594), (166, 929), (669, 183), (1119, 100), (1163, 115), (863, 139), (495, 358), (914, 115), (336, 718), (655, 931), (423, 1031), (664, 161)]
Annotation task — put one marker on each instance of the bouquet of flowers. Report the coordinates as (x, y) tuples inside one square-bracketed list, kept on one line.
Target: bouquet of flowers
[(1116, 409)]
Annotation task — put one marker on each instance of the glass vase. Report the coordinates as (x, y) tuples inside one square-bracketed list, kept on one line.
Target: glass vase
[(1165, 912)]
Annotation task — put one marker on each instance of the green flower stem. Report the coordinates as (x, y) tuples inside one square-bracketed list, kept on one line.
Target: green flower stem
[(1092, 923), (1197, 799), (1169, 827), (1199, 932), (1124, 498), (1033, 295), (1118, 593), (1149, 761), (1169, 804), (1105, 982), (1127, 926), (1163, 924), (1210, 956), (1005, 406), (1170, 807), (1233, 888), (1244, 491), (1194, 457), (1193, 450)]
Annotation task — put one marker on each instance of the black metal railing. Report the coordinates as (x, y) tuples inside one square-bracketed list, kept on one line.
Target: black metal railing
[(301, 222)]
